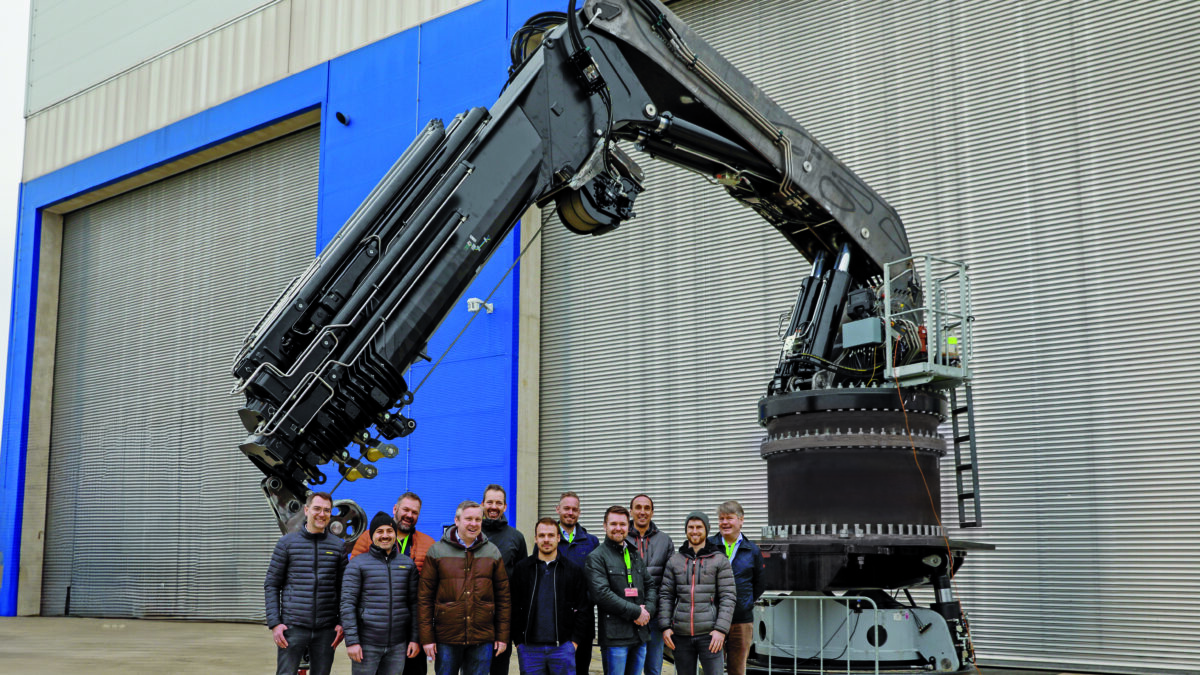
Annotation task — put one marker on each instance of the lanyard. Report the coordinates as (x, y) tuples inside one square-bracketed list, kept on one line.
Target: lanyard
[(729, 548), (628, 567), (570, 536), (403, 543)]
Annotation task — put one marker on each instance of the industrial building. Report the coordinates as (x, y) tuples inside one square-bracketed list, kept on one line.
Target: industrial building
[(184, 161)]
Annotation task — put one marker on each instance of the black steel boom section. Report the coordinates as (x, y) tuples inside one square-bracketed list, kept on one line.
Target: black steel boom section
[(324, 367)]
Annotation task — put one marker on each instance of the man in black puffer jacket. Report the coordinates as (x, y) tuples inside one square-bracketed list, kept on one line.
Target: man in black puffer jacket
[(302, 587), (379, 603)]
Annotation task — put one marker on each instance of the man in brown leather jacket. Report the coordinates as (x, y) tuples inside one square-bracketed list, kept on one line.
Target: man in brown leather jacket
[(463, 602)]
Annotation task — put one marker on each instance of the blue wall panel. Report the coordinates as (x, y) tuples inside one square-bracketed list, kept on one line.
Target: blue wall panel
[(466, 434), (376, 88)]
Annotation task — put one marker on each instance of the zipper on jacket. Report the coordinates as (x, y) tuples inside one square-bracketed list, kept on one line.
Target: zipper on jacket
[(695, 564), (554, 598), (388, 565), (316, 579), (532, 601)]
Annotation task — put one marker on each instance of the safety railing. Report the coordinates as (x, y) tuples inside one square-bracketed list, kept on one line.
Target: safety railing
[(802, 647), (939, 307)]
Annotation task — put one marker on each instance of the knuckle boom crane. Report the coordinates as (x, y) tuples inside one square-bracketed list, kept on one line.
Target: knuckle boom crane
[(325, 364)]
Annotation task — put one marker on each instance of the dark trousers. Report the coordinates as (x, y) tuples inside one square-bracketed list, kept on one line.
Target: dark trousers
[(583, 658), (692, 648), (417, 665), (546, 659), (500, 661), (318, 644)]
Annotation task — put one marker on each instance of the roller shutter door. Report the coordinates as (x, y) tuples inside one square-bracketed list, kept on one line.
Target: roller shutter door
[(1053, 147), (153, 511)]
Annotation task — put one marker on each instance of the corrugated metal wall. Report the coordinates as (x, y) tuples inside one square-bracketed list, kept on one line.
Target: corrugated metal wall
[(76, 43), (153, 513), (84, 112), (1052, 146)]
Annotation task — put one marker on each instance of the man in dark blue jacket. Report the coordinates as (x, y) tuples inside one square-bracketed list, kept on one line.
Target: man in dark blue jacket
[(748, 567), (379, 604), (575, 546), (302, 587)]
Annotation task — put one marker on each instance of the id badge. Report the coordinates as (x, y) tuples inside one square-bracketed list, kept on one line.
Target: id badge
[(631, 592)]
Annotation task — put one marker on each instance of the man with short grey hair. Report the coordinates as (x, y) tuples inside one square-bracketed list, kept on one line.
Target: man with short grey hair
[(748, 575)]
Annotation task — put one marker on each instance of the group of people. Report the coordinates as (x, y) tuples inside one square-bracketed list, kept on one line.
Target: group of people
[(401, 600)]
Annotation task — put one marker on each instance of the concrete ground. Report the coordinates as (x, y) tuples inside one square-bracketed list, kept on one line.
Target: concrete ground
[(66, 646)]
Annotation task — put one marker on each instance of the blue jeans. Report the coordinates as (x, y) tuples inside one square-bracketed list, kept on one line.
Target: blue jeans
[(692, 648), (546, 659), (654, 653), (467, 659), (380, 660), (317, 643), (627, 660)]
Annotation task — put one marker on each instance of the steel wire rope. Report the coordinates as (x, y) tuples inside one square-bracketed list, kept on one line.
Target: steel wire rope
[(938, 518)]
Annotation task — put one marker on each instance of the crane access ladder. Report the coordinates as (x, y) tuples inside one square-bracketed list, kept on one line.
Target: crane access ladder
[(947, 317)]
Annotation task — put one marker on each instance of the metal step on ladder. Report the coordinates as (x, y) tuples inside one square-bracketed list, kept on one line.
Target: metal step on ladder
[(968, 495)]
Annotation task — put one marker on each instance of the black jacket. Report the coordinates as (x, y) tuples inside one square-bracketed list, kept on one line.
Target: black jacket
[(379, 598), (509, 540), (304, 580), (573, 609), (608, 581), (655, 548)]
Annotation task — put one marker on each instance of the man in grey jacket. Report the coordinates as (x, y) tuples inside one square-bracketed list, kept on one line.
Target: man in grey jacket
[(379, 604), (302, 587), (696, 601), (655, 547)]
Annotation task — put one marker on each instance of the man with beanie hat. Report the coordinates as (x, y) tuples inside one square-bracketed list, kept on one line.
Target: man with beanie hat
[(696, 600), (412, 543), (379, 602)]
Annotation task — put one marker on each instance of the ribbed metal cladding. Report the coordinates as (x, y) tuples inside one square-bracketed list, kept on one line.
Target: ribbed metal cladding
[(1053, 147), (153, 511)]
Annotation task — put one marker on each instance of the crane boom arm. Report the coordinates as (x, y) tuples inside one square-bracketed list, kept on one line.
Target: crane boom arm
[(323, 369)]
